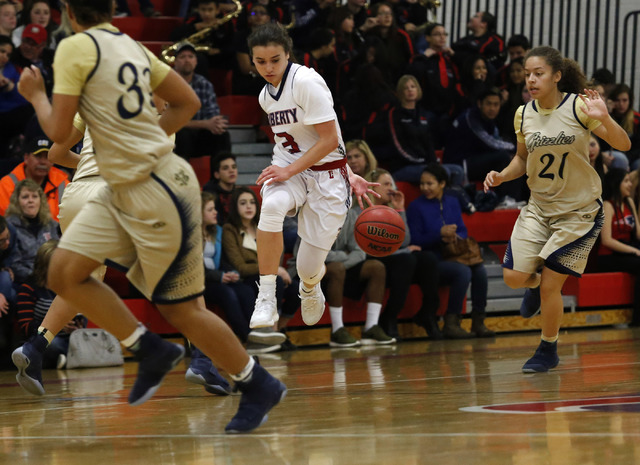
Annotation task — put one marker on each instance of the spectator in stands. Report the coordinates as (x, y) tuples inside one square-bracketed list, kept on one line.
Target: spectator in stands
[(321, 56), (368, 99), (221, 54), (8, 18), (435, 219), (605, 78), (409, 265), (37, 12), (206, 134), (32, 51), (223, 182), (358, 9), (36, 167), (33, 302), (15, 111), (511, 97), (240, 254), (517, 47), (349, 273), (439, 79), (482, 40), (309, 16), (360, 158), (224, 288), (402, 142), (623, 114), (394, 46), (474, 138), (599, 160), (475, 80), (29, 214), (620, 236), (146, 8), (7, 255), (245, 79)]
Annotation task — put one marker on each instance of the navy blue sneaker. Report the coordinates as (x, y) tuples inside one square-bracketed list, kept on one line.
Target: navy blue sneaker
[(545, 358), (201, 371), (28, 360), (260, 393), (157, 357), (531, 302)]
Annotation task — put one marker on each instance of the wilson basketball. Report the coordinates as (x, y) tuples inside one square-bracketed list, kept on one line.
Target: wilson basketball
[(379, 230)]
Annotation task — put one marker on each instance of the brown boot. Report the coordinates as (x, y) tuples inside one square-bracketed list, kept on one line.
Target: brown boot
[(452, 329), (478, 327)]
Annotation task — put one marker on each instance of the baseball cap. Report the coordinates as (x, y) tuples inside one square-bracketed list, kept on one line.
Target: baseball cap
[(35, 32), (38, 145), (184, 45)]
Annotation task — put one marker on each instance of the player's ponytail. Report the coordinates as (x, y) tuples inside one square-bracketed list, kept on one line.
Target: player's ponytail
[(573, 79)]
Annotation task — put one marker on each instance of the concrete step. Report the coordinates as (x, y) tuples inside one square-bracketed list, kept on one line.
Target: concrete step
[(242, 134), (252, 148), (513, 304)]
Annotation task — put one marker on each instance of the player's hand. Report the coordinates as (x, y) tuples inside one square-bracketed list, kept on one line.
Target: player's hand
[(284, 274), (273, 173), (596, 108), (361, 188), (31, 82), (493, 179)]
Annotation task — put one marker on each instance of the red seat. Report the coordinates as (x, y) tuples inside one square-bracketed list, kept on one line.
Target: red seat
[(202, 167), (410, 191), (221, 80), (156, 46), (148, 29), (241, 109)]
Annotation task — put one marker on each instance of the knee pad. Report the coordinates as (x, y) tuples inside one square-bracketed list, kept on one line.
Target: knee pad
[(273, 210), (310, 263)]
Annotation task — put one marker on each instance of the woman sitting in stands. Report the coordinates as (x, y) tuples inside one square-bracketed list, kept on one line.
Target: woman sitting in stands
[(360, 158), (620, 236), (435, 219)]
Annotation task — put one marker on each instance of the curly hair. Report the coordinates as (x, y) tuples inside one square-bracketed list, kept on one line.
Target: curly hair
[(44, 214), (573, 79)]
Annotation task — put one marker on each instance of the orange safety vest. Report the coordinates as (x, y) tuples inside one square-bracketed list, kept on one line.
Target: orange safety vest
[(53, 187)]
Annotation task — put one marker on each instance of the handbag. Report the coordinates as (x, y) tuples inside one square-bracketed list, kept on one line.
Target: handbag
[(465, 251), (93, 348)]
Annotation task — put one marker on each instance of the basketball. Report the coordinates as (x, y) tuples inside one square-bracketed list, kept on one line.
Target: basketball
[(379, 230)]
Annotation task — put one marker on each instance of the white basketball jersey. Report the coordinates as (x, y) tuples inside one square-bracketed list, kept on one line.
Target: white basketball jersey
[(301, 100), (116, 106), (561, 178)]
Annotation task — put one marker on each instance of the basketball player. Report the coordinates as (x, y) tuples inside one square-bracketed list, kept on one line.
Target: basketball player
[(309, 174), (556, 230), (147, 220), (87, 182)]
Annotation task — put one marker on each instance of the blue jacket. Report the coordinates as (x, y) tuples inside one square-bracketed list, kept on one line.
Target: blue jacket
[(426, 217), (472, 135)]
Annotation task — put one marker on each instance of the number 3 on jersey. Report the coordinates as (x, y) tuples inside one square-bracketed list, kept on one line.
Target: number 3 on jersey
[(548, 159), (290, 143)]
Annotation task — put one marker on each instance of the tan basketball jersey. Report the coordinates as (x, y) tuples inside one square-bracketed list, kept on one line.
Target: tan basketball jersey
[(561, 178), (87, 165), (114, 77)]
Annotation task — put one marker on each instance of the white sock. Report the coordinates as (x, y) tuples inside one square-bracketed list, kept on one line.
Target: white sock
[(550, 339), (245, 373), (336, 318), (130, 341), (373, 315), (268, 281)]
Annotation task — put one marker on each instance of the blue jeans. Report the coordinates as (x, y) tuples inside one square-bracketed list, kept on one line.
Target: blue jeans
[(458, 276), (6, 286), (236, 301)]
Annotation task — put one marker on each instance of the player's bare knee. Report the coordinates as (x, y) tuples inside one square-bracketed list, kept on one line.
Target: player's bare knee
[(514, 279)]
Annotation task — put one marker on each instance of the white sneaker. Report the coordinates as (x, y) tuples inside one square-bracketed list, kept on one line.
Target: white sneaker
[(266, 336), (265, 312), (311, 304), (62, 362)]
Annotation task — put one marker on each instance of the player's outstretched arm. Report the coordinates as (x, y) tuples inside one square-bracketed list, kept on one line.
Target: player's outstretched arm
[(183, 102), (61, 154)]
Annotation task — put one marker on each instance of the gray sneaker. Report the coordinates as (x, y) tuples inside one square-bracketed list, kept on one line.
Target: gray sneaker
[(342, 338), (311, 304), (376, 336)]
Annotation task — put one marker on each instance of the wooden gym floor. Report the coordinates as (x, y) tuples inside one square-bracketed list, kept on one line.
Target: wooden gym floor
[(443, 402)]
